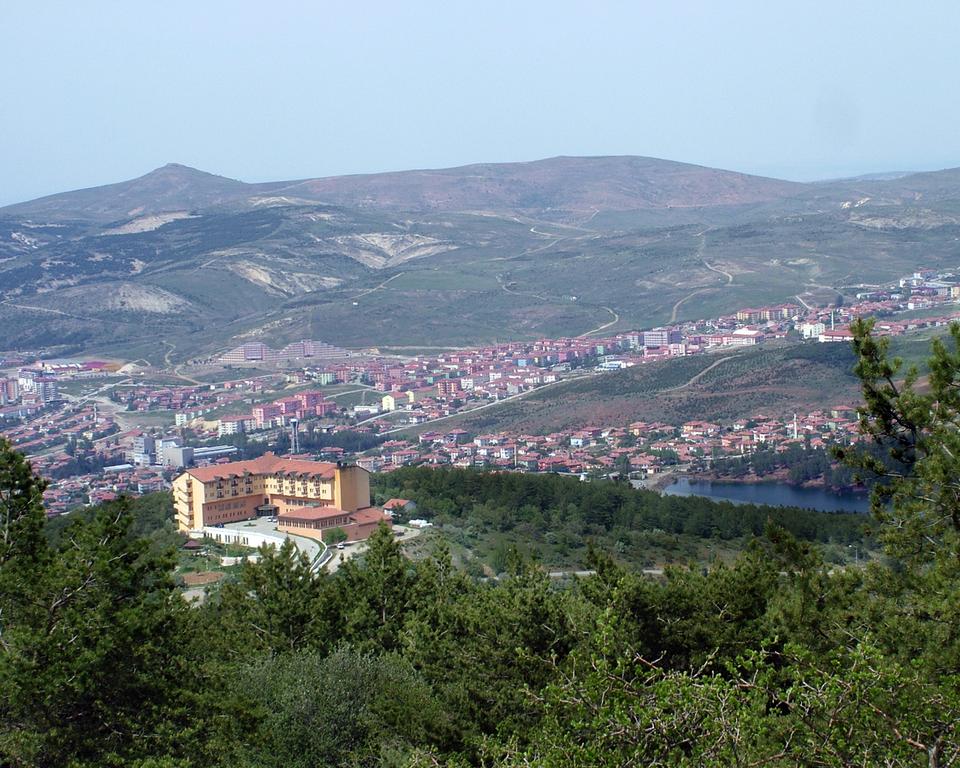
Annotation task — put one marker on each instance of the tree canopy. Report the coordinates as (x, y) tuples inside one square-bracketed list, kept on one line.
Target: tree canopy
[(776, 659)]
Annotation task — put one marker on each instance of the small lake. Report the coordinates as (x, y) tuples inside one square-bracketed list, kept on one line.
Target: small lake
[(775, 494)]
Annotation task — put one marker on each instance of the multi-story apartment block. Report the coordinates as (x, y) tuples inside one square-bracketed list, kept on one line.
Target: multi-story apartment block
[(811, 330), (264, 415), (762, 314), (143, 451), (661, 337), (307, 497), (448, 386), (234, 425), (256, 352)]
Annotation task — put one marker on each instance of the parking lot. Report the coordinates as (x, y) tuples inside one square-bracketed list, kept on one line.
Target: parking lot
[(310, 547)]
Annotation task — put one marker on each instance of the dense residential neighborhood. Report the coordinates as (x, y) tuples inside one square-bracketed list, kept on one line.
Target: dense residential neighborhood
[(640, 448), (100, 429)]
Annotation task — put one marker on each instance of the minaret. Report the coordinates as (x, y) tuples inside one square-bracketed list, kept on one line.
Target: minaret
[(796, 432)]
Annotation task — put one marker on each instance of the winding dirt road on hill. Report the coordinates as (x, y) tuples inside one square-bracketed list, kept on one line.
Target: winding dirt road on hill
[(700, 249), (375, 288), (695, 379), (676, 307), (31, 308), (718, 271), (616, 319)]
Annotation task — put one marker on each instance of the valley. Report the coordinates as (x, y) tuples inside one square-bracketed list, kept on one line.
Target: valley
[(501, 301)]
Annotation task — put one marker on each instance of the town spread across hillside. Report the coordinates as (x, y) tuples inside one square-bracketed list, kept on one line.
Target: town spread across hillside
[(100, 429)]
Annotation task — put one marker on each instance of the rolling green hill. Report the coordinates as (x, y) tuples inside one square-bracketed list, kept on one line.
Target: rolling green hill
[(451, 257), (774, 381)]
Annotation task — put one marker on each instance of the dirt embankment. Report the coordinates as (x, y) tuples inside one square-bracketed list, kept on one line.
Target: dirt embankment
[(201, 578)]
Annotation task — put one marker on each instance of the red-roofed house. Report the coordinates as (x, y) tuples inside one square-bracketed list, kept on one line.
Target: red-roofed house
[(399, 506)]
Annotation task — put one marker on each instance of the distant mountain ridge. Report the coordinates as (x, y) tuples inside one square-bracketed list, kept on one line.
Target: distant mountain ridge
[(173, 187), (576, 184), (572, 184), (566, 183)]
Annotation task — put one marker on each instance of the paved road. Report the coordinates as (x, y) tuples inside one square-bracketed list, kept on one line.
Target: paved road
[(341, 556), (363, 388), (310, 547), (583, 574)]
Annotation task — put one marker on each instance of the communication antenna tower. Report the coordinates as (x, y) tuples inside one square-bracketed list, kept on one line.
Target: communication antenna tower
[(294, 436)]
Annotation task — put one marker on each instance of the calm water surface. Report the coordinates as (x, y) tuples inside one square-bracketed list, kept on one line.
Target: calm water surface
[(774, 494)]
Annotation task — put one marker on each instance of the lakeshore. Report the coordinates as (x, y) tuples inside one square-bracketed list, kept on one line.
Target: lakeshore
[(770, 493)]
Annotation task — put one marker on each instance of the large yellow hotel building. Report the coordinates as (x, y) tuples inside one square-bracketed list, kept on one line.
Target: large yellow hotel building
[(307, 497)]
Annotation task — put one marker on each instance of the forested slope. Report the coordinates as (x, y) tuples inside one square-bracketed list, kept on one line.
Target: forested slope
[(554, 518)]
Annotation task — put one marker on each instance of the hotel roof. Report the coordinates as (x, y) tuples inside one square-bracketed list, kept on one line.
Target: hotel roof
[(264, 465), (310, 513)]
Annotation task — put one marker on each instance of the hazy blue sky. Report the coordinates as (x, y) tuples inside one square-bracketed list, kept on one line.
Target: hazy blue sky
[(95, 91)]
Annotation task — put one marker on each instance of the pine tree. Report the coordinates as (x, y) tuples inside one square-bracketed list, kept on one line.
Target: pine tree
[(92, 635)]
